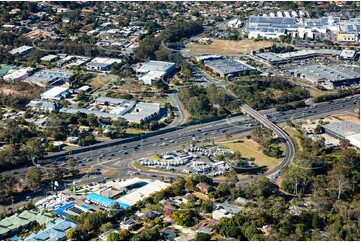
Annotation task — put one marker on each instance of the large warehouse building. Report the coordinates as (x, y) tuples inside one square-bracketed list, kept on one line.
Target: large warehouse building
[(281, 58), (228, 67), (344, 130), (113, 108), (155, 70), (269, 27), (332, 76)]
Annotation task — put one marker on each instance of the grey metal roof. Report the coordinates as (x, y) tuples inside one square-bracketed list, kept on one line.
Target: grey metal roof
[(331, 73), (156, 66), (343, 128), (227, 66), (271, 20), (270, 56)]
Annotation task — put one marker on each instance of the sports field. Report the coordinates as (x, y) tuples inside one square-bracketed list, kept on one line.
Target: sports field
[(223, 47)]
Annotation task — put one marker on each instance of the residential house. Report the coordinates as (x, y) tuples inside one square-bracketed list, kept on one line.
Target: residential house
[(128, 224), (203, 187), (54, 231)]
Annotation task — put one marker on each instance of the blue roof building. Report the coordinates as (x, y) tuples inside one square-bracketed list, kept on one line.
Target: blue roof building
[(104, 201)]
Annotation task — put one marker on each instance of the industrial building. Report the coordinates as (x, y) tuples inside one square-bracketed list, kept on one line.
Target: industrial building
[(50, 77), (273, 27), (228, 67), (155, 70), (23, 50), (202, 58), (269, 27), (142, 192), (49, 58), (102, 64), (344, 130), (348, 54), (42, 105), (113, 108), (332, 76), (281, 58), (55, 93), (18, 75)]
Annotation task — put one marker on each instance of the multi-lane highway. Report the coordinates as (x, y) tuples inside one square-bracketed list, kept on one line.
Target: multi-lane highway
[(118, 155)]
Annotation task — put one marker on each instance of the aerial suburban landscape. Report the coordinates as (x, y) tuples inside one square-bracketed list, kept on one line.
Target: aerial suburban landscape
[(186, 121)]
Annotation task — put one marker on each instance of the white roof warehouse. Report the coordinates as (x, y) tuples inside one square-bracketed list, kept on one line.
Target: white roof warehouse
[(155, 70)]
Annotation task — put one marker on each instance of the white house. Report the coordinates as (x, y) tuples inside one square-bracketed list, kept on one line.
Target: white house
[(235, 23)]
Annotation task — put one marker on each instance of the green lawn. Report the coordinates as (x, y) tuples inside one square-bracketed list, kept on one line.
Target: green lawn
[(295, 136), (250, 149), (135, 131), (99, 81)]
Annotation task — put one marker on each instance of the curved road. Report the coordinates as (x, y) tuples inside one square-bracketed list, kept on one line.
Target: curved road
[(289, 146)]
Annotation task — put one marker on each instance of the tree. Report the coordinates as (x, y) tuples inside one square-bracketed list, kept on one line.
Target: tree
[(106, 227), (315, 221), (34, 176), (72, 166), (189, 185), (260, 186), (56, 173), (92, 120), (261, 134), (203, 237), (319, 129), (34, 148), (338, 181), (81, 96), (8, 184), (297, 177), (232, 177), (124, 235), (74, 233), (113, 237), (251, 231), (185, 217), (207, 206), (119, 125)]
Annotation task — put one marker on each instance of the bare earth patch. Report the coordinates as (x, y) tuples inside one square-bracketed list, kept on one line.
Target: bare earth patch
[(348, 117), (229, 46)]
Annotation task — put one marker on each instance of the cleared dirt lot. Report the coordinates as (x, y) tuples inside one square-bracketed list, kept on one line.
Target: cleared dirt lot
[(229, 46), (348, 117)]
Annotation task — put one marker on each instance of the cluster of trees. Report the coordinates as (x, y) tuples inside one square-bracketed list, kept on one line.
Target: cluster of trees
[(259, 92), (90, 223), (207, 102), (35, 177), (22, 143), (340, 94), (174, 32), (122, 235), (280, 49), (268, 143), (8, 185), (23, 93)]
